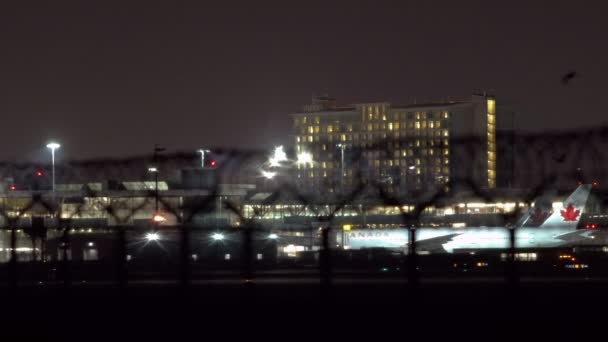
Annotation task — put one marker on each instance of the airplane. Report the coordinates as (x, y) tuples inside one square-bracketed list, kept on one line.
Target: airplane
[(540, 227)]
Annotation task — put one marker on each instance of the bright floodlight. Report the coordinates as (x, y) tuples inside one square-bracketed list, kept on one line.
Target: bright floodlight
[(217, 236), (152, 237), (278, 156), (158, 218), (273, 236), (304, 158), (152, 169), (53, 145), (268, 174)]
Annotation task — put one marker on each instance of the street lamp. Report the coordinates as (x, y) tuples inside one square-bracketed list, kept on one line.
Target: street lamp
[(202, 152), (342, 147), (157, 218), (53, 146)]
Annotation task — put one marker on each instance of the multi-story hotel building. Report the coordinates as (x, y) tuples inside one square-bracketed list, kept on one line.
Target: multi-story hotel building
[(402, 149)]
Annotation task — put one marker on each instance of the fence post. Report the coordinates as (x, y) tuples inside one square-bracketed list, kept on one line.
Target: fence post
[(65, 240), (247, 265), (185, 274), (412, 259), (13, 272), (325, 259), (121, 262), (512, 276)]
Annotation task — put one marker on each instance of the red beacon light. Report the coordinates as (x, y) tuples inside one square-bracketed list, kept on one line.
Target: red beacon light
[(12, 188), (591, 226), (595, 183), (39, 173)]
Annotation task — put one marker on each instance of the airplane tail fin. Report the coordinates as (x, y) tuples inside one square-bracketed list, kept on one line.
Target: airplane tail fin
[(543, 215), (573, 207)]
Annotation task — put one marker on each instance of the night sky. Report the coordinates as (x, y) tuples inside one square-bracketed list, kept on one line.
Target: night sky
[(110, 79)]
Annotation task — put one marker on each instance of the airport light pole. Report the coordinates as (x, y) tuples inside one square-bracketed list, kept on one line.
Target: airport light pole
[(342, 146), (53, 146)]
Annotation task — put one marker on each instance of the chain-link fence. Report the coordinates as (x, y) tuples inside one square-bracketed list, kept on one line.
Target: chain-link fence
[(175, 219)]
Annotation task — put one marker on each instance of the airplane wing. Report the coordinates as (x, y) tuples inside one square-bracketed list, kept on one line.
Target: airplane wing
[(575, 237), (435, 245)]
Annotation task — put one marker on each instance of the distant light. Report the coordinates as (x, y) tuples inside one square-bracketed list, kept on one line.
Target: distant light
[(273, 236), (212, 163), (53, 145), (304, 158), (268, 174), (347, 227), (91, 244), (158, 218), (153, 169), (152, 237), (13, 188), (39, 173), (217, 236), (278, 156)]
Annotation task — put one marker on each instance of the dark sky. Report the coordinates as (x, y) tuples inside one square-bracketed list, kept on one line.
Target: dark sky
[(112, 78)]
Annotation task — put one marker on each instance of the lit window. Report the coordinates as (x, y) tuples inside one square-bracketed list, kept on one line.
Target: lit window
[(298, 139), (349, 127), (317, 120), (417, 124), (310, 138), (317, 129), (330, 129), (343, 137), (491, 106), (390, 126)]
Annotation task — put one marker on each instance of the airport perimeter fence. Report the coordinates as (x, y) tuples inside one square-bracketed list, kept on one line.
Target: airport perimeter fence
[(537, 164)]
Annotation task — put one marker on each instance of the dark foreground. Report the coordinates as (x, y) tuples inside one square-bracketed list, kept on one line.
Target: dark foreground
[(452, 310)]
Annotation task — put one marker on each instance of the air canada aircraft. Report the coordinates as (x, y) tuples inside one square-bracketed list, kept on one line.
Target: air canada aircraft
[(540, 227)]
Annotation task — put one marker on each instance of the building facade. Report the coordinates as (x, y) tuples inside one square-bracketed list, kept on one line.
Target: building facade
[(400, 149)]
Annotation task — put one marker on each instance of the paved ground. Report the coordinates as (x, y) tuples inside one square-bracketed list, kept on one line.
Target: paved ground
[(266, 310)]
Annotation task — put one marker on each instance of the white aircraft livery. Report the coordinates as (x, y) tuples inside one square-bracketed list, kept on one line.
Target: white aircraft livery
[(538, 228)]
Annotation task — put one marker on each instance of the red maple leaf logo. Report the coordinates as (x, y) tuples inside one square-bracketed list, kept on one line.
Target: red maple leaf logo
[(570, 214)]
